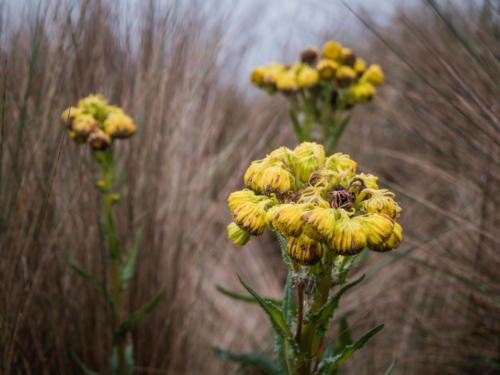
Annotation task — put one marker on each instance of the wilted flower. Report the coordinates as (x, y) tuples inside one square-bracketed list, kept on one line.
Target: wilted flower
[(323, 206)]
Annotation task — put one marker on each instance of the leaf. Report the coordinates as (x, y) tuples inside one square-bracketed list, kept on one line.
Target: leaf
[(344, 336), (335, 361), (284, 254), (127, 270), (325, 314), (126, 325), (285, 356), (241, 297), (84, 368), (391, 367), (129, 359), (272, 311), (257, 360), (287, 308), (94, 282)]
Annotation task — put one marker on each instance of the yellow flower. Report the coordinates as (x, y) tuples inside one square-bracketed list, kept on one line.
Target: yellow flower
[(340, 163), (309, 55), (94, 105), (251, 217), (327, 68), (283, 155), (392, 241), (69, 114), (274, 71), (275, 179), (373, 75), (349, 235), (313, 196), (361, 92), (286, 218), (319, 223), (286, 82), (348, 57), (257, 75), (99, 140), (81, 127), (332, 50), (369, 180), (239, 198), (310, 157), (359, 65), (307, 77), (119, 125), (324, 179), (345, 76), (378, 201), (378, 228), (304, 250), (238, 235)]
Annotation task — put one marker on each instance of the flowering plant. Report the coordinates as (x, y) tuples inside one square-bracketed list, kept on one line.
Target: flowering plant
[(324, 214), (320, 87), (96, 122)]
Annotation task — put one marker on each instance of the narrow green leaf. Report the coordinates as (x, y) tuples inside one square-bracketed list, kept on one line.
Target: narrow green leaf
[(326, 313), (127, 270), (82, 366), (241, 297), (287, 300), (284, 254), (253, 359), (94, 282), (274, 313), (344, 336), (391, 367), (335, 361), (148, 307)]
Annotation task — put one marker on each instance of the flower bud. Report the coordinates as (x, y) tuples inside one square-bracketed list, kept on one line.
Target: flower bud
[(309, 55), (94, 105), (378, 228), (81, 127), (327, 68), (393, 241), (313, 196), (348, 57), (307, 77), (285, 218), (99, 140), (345, 75), (332, 50), (119, 126), (359, 66), (286, 82), (340, 163), (304, 250), (310, 158), (349, 235), (69, 115), (319, 223), (361, 92), (379, 201), (373, 75), (238, 235), (257, 76)]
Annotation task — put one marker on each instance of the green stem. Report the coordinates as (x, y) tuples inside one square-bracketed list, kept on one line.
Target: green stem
[(309, 341), (107, 164)]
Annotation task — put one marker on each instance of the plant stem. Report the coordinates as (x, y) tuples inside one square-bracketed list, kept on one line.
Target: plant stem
[(106, 162), (309, 342), (300, 311)]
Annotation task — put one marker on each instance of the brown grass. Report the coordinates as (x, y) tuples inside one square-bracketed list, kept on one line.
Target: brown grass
[(431, 133)]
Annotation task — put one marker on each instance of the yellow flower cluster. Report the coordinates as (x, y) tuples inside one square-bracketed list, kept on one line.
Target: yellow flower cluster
[(96, 122), (318, 203), (336, 67)]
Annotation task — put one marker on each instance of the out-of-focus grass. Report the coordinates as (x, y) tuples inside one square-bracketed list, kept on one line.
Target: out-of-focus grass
[(431, 132)]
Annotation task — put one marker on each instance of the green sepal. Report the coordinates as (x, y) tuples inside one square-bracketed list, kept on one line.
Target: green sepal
[(275, 315), (241, 297), (391, 367), (259, 361), (82, 365), (324, 315), (126, 325), (129, 360), (94, 282), (333, 362), (127, 269)]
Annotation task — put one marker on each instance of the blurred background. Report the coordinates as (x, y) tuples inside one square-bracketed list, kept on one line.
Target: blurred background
[(180, 68)]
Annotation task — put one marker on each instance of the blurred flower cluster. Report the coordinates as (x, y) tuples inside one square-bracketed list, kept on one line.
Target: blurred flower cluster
[(317, 203), (96, 122), (336, 70)]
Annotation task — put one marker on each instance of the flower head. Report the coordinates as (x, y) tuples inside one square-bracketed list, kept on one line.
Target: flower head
[(373, 75), (318, 203), (332, 50), (327, 68), (238, 235), (309, 55)]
